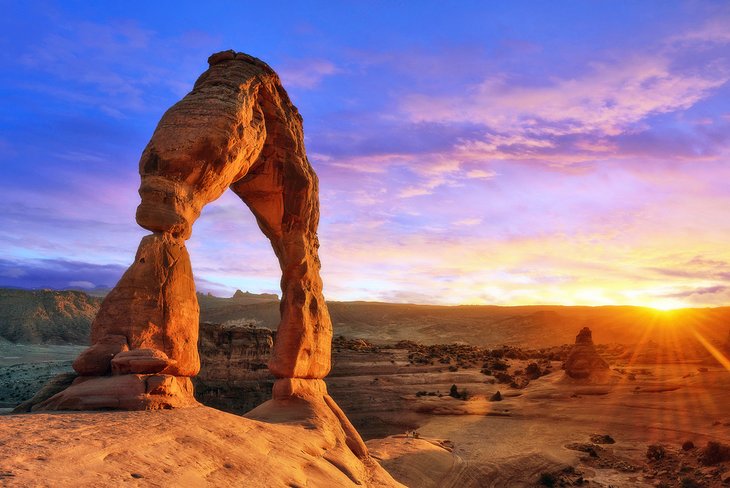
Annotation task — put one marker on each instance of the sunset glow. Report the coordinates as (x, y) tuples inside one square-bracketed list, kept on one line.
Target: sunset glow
[(576, 154)]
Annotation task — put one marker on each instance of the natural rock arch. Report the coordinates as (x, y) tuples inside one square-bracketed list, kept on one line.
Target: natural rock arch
[(236, 129)]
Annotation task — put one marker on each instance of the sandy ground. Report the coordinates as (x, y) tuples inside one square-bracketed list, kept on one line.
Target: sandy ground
[(537, 429)]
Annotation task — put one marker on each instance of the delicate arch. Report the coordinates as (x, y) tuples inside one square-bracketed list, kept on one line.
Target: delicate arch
[(237, 128)]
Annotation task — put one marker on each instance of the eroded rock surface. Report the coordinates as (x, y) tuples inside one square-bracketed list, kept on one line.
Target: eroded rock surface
[(583, 360), (234, 376)]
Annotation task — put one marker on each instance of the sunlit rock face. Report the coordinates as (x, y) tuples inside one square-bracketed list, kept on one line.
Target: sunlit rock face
[(236, 129), (583, 360)]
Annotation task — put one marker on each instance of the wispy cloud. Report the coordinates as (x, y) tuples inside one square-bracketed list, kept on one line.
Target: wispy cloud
[(113, 67), (306, 74)]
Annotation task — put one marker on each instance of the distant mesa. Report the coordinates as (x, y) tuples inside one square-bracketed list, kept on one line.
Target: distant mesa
[(245, 295), (583, 360)]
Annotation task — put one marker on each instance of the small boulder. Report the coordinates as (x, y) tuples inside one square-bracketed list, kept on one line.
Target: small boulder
[(96, 360)]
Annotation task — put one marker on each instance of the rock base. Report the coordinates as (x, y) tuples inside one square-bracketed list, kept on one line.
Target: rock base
[(299, 398), (123, 392)]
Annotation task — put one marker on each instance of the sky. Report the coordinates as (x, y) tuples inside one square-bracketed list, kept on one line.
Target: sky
[(503, 153)]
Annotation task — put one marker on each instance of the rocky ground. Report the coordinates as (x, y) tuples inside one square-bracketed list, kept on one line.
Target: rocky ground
[(457, 415)]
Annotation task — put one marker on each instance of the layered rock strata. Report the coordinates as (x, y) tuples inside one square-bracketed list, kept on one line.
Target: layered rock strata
[(234, 376)]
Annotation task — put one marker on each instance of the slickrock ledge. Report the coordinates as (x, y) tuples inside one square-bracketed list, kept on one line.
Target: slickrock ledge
[(196, 446)]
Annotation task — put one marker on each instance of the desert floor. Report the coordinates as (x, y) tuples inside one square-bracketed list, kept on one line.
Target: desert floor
[(544, 429), (24, 368)]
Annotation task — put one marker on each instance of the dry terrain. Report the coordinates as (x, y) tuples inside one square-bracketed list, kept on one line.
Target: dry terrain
[(190, 447), (435, 415)]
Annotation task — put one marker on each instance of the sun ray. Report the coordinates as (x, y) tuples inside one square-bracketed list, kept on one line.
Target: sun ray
[(716, 353)]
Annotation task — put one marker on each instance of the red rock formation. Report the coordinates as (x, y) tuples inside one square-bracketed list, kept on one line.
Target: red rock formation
[(236, 129), (583, 360)]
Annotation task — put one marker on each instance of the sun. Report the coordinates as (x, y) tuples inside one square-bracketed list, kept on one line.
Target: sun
[(666, 305)]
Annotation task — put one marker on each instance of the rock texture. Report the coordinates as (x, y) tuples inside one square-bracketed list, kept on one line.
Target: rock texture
[(154, 306), (583, 360), (123, 392), (233, 366), (187, 448)]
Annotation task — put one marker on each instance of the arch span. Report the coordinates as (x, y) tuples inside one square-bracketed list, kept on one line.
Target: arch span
[(236, 129)]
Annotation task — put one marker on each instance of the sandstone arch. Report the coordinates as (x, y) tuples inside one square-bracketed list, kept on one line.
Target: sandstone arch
[(236, 129)]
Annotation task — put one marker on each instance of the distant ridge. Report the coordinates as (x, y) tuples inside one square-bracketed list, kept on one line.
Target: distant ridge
[(240, 295), (46, 316), (65, 316)]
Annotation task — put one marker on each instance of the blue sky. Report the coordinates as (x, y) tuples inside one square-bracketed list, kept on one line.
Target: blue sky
[(511, 153)]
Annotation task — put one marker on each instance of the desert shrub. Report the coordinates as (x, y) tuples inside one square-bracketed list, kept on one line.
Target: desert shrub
[(688, 445), (514, 354), (548, 479), (497, 397), (242, 322), (533, 371), (503, 377), (453, 368), (500, 366), (455, 393), (714, 453), (688, 482), (420, 393), (655, 452), (486, 371)]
